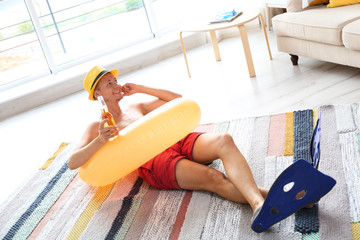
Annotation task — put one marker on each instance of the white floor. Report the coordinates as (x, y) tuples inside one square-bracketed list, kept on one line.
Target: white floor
[(223, 90)]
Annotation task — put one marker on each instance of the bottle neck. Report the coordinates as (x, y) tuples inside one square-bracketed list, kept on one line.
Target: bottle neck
[(102, 104)]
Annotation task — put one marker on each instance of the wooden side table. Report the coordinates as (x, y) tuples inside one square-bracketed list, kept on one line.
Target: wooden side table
[(272, 4), (238, 22)]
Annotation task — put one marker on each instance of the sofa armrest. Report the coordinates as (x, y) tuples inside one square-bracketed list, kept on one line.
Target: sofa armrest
[(294, 5)]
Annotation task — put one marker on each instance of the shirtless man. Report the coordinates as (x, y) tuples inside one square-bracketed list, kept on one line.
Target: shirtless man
[(182, 166)]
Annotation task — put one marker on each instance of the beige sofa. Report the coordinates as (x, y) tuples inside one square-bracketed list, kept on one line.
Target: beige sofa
[(327, 34)]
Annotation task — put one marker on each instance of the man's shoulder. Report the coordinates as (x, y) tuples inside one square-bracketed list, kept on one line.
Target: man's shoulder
[(94, 125), (150, 106)]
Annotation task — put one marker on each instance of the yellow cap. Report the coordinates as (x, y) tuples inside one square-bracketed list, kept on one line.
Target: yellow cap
[(93, 77)]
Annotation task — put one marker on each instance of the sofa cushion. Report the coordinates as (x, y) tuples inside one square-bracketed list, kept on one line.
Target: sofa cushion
[(338, 3), (309, 3), (294, 5), (319, 24), (351, 35)]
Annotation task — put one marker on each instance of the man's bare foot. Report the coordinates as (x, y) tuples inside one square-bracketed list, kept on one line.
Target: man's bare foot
[(310, 205), (302, 194)]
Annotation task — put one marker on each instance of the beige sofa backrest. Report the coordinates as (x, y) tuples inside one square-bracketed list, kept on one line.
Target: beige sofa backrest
[(294, 5)]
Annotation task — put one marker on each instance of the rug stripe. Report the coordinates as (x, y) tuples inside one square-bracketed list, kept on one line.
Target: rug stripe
[(289, 134), (143, 214), (257, 158), (270, 171), (303, 129), (257, 155), (311, 236), (335, 220), (46, 204), (64, 219), (219, 208), (17, 227), (51, 223), (356, 115), (69, 224), (163, 215), (122, 232), (52, 158), (12, 210), (126, 206), (205, 128), (113, 204), (344, 119), (241, 131), (199, 204), (195, 216), (223, 219), (276, 135), (89, 211), (256, 162), (181, 216), (221, 127), (355, 228), (351, 163), (287, 224), (274, 166), (39, 228), (22, 199), (306, 220), (315, 117)]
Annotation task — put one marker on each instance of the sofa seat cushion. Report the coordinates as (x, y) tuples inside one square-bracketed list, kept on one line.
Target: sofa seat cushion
[(318, 24), (351, 35)]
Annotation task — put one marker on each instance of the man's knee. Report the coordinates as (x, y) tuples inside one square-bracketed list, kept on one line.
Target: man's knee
[(225, 140)]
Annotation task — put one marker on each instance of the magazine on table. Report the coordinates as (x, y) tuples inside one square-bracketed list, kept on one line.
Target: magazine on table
[(225, 16)]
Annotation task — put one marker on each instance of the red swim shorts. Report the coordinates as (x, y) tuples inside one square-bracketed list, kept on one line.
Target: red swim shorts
[(159, 172)]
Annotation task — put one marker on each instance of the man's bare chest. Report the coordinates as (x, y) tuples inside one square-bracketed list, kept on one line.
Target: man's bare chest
[(127, 118)]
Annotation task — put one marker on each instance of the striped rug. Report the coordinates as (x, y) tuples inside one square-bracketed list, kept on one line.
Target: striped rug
[(55, 204)]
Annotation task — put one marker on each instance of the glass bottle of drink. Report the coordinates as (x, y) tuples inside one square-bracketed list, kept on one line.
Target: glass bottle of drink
[(106, 114)]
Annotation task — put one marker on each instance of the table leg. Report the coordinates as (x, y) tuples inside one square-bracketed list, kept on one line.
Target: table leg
[(184, 52), (265, 34), (246, 46), (267, 15), (215, 45)]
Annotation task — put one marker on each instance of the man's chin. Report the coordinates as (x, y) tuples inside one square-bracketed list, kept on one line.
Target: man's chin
[(118, 98)]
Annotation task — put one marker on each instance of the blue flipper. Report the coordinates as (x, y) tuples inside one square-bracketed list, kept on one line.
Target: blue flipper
[(282, 200), (315, 144)]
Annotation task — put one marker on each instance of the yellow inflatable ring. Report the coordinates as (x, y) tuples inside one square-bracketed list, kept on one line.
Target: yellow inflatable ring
[(141, 141)]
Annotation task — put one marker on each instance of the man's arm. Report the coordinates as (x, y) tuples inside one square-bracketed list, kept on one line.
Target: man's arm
[(95, 136), (162, 96)]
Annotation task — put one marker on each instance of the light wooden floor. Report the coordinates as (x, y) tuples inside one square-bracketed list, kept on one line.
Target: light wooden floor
[(223, 90)]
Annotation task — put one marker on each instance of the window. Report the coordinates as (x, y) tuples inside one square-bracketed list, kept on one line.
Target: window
[(76, 29), (67, 31), (41, 37), (20, 50)]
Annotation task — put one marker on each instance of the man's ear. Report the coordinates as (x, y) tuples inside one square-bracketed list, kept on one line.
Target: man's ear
[(96, 94)]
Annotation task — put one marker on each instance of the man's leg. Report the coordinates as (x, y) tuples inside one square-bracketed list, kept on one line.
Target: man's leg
[(191, 175), (209, 147)]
